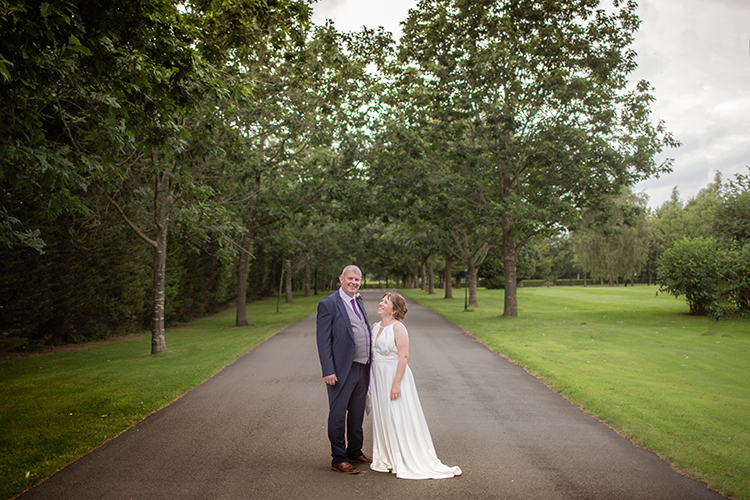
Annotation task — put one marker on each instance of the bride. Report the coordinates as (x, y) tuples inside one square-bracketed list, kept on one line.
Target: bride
[(401, 439)]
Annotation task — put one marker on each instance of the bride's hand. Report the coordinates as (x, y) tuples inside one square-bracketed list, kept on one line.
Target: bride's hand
[(395, 391)]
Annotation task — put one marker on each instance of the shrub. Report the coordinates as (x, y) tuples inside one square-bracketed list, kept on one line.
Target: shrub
[(738, 278), (695, 268)]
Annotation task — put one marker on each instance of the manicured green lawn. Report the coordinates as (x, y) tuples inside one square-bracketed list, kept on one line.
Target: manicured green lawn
[(56, 407), (671, 382)]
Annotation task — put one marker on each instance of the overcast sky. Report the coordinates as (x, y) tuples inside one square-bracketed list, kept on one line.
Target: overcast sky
[(695, 53)]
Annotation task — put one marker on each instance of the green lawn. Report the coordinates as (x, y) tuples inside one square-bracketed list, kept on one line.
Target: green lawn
[(56, 407), (671, 382)]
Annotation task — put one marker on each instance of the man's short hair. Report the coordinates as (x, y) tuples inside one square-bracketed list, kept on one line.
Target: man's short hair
[(351, 267)]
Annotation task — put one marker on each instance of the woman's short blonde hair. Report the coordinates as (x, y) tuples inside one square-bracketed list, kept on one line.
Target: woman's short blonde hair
[(399, 304)]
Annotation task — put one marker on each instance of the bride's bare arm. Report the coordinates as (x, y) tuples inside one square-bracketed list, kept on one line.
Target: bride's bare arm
[(401, 336)]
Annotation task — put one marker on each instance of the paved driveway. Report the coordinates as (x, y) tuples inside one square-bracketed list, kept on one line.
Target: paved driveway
[(257, 430)]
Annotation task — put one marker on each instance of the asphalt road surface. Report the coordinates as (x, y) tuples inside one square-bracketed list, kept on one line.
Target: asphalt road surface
[(257, 430)]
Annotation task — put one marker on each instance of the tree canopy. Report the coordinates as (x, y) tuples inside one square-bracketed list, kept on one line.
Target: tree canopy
[(250, 143)]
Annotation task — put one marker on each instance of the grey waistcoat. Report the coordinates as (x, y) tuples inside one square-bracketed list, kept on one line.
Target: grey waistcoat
[(362, 339)]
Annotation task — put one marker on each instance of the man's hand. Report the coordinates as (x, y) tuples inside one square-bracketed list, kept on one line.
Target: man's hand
[(330, 379)]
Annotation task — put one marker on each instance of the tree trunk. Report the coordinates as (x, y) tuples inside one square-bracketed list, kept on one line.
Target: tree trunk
[(307, 279), (509, 260), (430, 279), (472, 282), (288, 264), (424, 278), (241, 317), (161, 201), (242, 267)]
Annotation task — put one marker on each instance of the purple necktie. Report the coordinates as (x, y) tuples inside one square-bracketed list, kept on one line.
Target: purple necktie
[(354, 305)]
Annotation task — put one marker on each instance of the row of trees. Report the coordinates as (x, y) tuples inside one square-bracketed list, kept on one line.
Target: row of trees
[(627, 241), (202, 124), (253, 144)]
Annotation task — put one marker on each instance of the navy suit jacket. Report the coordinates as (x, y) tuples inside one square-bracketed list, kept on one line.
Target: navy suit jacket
[(336, 338)]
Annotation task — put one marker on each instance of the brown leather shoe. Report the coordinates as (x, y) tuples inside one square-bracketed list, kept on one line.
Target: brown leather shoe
[(360, 460), (345, 468)]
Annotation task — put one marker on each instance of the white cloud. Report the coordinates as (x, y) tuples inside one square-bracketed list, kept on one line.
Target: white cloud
[(351, 15), (695, 54)]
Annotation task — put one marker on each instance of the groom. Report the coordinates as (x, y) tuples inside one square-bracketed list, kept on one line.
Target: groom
[(344, 347)]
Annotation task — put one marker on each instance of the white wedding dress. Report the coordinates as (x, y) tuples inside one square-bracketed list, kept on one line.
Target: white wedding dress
[(401, 439)]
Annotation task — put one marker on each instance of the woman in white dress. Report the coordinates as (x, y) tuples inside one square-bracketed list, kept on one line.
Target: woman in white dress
[(401, 439)]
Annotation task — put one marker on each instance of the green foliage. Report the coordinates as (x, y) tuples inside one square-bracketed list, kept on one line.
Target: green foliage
[(733, 221), (738, 288), (522, 113), (712, 272), (674, 383), (94, 282), (613, 238), (695, 219), (695, 268), (527, 263), (53, 118)]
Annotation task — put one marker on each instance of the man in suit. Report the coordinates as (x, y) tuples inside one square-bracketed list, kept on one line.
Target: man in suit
[(344, 347)]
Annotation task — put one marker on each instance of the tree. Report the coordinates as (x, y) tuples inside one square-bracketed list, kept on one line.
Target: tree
[(613, 241), (105, 95), (536, 97), (62, 110), (714, 273), (308, 85), (674, 221), (187, 63), (733, 219), (733, 227)]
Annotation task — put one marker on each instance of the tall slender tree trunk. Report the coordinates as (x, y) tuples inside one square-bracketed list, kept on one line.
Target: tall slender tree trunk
[(424, 277), (448, 279), (161, 218), (430, 278), (472, 283), (307, 278), (242, 266), (288, 265), (510, 307)]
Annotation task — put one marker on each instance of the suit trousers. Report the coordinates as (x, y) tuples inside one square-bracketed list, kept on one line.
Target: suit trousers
[(346, 413)]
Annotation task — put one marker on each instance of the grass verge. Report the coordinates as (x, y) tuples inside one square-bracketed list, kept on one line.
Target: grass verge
[(673, 383), (56, 407)]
